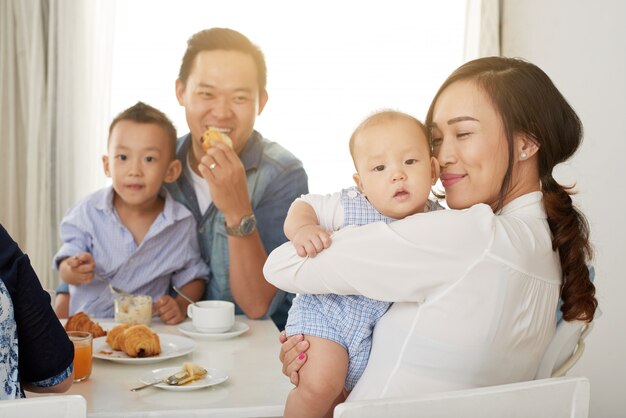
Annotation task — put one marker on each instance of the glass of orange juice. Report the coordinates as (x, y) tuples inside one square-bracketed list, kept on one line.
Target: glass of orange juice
[(82, 354)]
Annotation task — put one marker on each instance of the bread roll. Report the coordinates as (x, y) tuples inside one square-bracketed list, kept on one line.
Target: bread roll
[(213, 134)]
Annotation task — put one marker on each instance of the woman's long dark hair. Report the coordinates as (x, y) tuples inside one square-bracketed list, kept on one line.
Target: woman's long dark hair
[(529, 103)]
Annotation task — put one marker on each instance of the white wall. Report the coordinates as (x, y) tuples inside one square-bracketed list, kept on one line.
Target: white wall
[(321, 83), (580, 44)]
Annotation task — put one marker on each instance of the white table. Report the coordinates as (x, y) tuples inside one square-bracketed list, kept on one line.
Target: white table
[(255, 387)]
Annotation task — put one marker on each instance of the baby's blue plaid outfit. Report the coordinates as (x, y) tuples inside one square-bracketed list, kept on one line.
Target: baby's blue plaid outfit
[(347, 320)]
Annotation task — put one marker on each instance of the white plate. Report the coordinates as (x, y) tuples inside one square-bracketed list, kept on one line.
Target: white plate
[(188, 329), (214, 377), (171, 346)]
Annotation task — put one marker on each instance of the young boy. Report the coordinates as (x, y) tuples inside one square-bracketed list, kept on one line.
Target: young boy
[(395, 172), (133, 235)]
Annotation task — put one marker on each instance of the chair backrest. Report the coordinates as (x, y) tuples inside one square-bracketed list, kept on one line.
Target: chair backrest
[(566, 347), (568, 343), (50, 406), (564, 397)]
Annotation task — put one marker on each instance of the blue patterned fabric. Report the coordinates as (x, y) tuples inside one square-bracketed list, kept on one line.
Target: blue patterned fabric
[(347, 320), (9, 378), (55, 380), (9, 354), (357, 210)]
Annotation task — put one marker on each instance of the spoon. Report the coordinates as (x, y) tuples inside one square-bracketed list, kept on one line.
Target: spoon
[(177, 290), (177, 379), (119, 291)]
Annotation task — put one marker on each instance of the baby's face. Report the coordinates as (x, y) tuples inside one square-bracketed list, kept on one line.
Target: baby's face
[(394, 168), (139, 160)]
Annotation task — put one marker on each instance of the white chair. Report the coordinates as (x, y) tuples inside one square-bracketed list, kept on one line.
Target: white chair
[(563, 397), (566, 347), (50, 406)]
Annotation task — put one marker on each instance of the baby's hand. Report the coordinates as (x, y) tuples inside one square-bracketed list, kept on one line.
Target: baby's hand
[(168, 310), (81, 267), (311, 240)]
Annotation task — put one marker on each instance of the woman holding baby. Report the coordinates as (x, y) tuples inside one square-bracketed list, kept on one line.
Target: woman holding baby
[(475, 288)]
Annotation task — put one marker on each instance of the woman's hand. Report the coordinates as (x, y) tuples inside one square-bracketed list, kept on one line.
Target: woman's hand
[(292, 355)]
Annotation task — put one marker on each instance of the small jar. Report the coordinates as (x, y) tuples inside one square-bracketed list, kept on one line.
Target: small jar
[(133, 309)]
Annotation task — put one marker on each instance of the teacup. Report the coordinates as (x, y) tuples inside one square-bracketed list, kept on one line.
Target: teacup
[(212, 316)]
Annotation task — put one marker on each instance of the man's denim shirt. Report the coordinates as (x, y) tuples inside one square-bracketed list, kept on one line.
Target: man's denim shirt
[(275, 179)]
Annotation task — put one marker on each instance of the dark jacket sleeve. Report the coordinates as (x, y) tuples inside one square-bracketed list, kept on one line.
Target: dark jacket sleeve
[(44, 348)]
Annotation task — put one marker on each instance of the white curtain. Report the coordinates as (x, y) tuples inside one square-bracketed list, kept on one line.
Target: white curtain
[(55, 60), (482, 29)]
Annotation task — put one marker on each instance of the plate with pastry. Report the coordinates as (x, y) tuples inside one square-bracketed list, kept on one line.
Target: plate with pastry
[(127, 343), (190, 377), (189, 330)]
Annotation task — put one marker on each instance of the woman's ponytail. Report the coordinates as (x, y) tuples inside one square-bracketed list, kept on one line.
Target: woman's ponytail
[(570, 237)]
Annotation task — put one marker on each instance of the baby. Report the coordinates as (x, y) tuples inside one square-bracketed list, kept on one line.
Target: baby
[(395, 172)]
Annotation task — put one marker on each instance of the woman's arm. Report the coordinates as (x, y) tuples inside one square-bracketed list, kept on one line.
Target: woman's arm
[(58, 388), (404, 261), (45, 351)]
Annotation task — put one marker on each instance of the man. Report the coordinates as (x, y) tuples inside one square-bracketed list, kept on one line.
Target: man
[(240, 195)]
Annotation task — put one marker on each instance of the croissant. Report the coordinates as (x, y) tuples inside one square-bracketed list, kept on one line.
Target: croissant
[(139, 341), (81, 322), (114, 334)]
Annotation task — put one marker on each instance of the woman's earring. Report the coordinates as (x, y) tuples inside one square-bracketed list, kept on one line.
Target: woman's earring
[(523, 155)]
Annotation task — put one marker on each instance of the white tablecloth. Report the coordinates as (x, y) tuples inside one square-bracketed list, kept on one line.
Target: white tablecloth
[(255, 387)]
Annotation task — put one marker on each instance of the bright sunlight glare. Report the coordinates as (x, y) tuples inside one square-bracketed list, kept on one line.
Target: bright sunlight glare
[(330, 65)]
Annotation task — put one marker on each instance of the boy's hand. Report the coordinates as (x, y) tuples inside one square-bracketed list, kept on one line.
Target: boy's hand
[(169, 311), (311, 240), (78, 270)]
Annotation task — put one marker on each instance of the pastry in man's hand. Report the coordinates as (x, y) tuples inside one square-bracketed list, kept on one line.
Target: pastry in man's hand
[(213, 135)]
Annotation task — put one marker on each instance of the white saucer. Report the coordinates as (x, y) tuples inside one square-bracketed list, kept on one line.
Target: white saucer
[(188, 329), (214, 377)]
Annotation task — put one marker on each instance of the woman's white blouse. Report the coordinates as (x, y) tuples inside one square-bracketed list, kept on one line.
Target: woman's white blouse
[(477, 294)]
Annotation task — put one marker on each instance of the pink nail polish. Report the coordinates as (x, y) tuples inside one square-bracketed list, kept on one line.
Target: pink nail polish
[(301, 356)]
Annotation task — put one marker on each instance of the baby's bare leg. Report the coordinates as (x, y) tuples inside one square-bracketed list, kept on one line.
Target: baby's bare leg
[(321, 380)]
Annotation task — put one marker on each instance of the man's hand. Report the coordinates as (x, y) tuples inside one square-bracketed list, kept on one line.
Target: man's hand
[(169, 311), (226, 176), (310, 240), (78, 270)]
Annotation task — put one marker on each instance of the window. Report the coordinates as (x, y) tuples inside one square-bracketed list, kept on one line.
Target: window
[(330, 65)]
